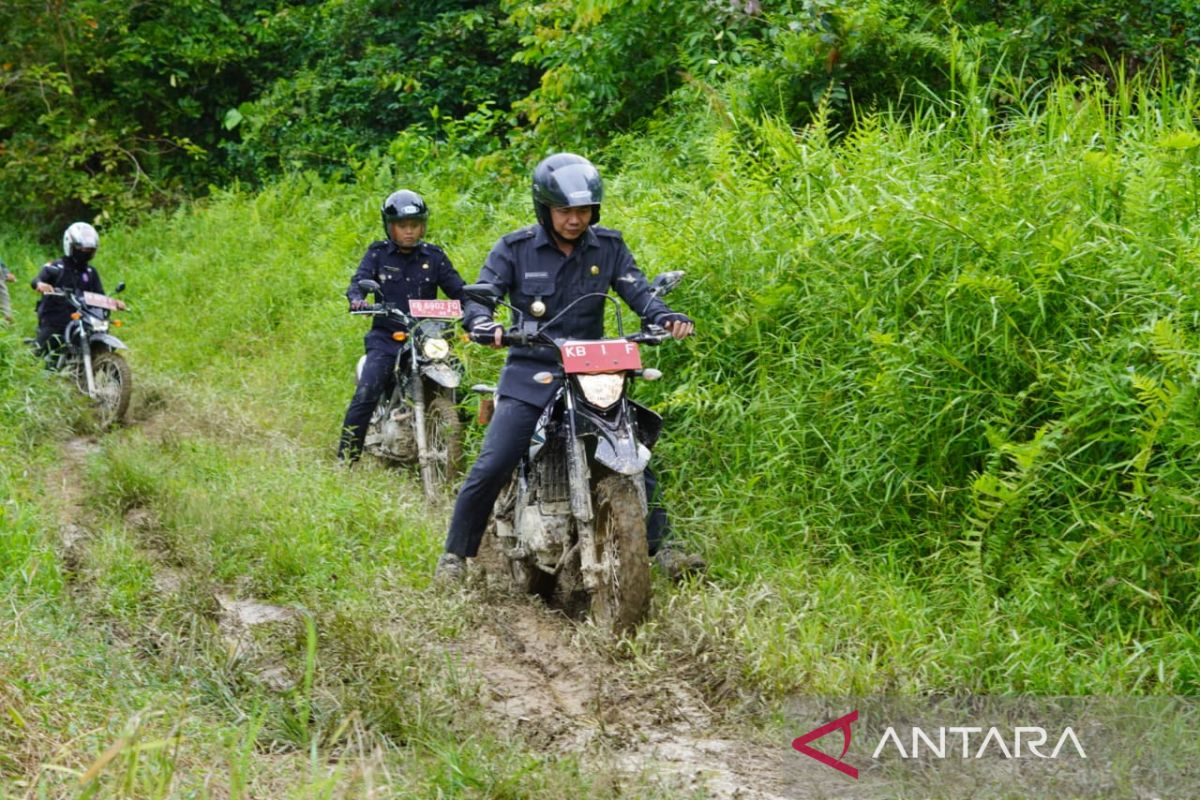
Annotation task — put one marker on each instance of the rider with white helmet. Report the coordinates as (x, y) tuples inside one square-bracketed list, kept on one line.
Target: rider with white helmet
[(72, 272)]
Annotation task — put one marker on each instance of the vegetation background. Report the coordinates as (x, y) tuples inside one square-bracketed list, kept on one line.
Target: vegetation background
[(938, 434)]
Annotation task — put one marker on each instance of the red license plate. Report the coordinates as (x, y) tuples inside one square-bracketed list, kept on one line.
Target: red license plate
[(439, 309), (99, 301), (609, 355)]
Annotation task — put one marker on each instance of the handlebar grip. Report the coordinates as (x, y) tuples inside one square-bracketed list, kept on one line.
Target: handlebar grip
[(654, 336), (514, 339), (509, 338)]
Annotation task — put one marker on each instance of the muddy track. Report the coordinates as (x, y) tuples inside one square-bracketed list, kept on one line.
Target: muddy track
[(543, 678), (551, 682)]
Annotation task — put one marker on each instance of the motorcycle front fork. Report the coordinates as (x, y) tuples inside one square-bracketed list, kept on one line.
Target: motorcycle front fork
[(417, 395), (87, 371), (579, 481)]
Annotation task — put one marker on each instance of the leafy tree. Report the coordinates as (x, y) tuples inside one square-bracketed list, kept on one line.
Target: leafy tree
[(359, 73)]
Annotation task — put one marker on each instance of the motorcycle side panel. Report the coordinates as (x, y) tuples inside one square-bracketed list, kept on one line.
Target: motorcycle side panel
[(649, 424), (442, 374)]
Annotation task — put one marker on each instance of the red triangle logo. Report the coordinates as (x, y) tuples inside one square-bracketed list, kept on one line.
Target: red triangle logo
[(843, 723)]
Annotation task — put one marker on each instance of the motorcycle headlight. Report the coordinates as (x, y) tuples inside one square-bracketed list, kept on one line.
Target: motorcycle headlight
[(436, 349), (100, 325), (602, 390)]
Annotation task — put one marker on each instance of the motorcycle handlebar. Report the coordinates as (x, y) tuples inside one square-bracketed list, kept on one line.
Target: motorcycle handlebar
[(512, 337), (378, 309), (654, 335)]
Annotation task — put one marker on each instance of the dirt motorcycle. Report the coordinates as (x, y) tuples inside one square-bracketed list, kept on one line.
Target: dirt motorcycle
[(571, 524), (89, 354), (417, 422)]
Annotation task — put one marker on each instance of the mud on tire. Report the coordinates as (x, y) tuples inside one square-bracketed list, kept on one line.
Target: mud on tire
[(114, 385), (622, 598), (443, 437)]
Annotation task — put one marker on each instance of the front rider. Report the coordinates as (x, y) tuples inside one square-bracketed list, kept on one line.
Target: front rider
[(71, 273), (542, 269), (404, 267)]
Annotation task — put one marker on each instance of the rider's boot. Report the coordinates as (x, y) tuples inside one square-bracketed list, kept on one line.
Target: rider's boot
[(451, 569), (677, 565)]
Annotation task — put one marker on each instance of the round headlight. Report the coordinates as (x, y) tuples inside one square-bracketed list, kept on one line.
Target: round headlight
[(436, 349)]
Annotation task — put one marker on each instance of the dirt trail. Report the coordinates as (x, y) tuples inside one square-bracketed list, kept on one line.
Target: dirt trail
[(541, 680), (66, 480)]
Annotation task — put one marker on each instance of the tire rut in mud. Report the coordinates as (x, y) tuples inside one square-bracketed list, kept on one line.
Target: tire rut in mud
[(540, 679)]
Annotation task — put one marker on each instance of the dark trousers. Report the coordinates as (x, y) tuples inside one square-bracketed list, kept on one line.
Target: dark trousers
[(50, 337), (506, 441), (377, 378)]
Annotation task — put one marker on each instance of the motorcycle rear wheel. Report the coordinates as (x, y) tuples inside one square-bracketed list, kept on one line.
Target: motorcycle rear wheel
[(114, 384), (622, 598)]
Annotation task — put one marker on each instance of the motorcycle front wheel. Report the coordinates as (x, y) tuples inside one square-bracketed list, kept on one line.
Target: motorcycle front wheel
[(443, 445), (622, 598), (113, 381)]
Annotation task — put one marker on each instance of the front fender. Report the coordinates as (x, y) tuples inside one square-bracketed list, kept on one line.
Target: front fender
[(442, 374), (622, 454), (107, 342), (616, 445)]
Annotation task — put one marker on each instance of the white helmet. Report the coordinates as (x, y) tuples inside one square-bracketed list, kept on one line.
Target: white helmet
[(80, 236)]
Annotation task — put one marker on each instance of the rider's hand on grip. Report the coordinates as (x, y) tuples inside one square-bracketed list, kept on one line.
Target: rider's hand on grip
[(490, 333), (678, 325), (359, 305)]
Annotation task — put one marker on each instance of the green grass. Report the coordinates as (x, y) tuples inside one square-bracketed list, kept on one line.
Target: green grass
[(938, 434)]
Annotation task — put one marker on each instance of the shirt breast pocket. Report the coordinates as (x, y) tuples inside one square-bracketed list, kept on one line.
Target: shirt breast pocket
[(538, 287), (597, 277)]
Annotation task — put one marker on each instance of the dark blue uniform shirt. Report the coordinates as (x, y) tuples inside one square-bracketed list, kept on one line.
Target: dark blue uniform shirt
[(528, 267), (64, 274), (402, 276)]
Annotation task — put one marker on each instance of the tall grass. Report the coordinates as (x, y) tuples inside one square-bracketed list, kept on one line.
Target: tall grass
[(960, 349)]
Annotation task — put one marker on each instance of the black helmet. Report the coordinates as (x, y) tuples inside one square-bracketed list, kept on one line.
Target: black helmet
[(566, 180), (402, 204)]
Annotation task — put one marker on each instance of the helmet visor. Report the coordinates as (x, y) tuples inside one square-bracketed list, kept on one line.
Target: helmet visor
[(576, 185)]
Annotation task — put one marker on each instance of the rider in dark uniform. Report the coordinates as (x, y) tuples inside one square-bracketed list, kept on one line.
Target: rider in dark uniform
[(543, 268), (405, 267), (71, 273)]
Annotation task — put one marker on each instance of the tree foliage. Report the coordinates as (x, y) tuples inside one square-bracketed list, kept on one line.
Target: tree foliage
[(112, 108)]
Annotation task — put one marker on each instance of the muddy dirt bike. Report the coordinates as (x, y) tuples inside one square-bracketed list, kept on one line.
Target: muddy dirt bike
[(417, 422), (571, 524), (89, 354)]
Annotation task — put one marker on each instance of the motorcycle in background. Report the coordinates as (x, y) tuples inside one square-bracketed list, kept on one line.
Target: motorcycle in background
[(417, 422), (572, 522), (89, 354)]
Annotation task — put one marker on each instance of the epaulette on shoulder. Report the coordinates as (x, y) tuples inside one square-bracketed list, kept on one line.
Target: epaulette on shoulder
[(516, 236), (430, 247), (377, 245), (608, 233)]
